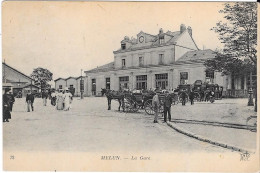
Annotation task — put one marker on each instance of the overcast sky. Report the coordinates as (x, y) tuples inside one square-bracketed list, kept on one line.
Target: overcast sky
[(65, 37)]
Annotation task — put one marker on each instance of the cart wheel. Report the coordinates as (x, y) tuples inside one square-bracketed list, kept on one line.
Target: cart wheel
[(161, 109), (149, 107), (127, 106)]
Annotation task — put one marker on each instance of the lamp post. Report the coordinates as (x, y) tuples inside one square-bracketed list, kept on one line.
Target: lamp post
[(81, 86), (250, 92)]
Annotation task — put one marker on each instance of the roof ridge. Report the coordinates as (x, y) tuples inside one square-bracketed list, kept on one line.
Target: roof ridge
[(17, 70)]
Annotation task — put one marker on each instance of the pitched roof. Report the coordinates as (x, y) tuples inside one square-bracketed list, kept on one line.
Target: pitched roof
[(59, 79), (198, 55), (71, 77), (3, 63), (106, 67), (154, 41), (31, 85)]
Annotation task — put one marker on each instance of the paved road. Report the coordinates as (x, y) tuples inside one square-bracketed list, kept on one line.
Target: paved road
[(90, 127)]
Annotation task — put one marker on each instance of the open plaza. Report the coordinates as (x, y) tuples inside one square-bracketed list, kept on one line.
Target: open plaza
[(90, 127)]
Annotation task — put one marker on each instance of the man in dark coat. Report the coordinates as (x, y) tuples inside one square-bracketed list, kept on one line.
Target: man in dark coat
[(167, 106), (191, 97), (12, 100), (29, 101), (183, 97), (45, 97), (6, 105)]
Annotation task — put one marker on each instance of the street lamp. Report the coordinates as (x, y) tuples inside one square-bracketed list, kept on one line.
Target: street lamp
[(250, 92), (81, 86)]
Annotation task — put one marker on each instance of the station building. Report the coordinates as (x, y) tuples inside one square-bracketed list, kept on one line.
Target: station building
[(149, 61), (164, 60)]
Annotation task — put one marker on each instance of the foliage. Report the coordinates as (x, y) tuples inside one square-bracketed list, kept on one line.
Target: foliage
[(229, 65), (239, 32), (42, 76)]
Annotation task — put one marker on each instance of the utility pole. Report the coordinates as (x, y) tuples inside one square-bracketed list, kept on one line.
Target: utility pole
[(81, 86)]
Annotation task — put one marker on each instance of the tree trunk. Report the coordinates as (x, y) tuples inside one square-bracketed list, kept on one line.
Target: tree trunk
[(256, 99)]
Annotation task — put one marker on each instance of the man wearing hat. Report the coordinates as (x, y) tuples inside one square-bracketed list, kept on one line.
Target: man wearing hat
[(155, 103), (6, 105), (45, 97), (167, 106), (29, 101)]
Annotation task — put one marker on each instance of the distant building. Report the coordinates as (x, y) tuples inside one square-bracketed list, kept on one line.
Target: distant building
[(15, 79), (73, 83)]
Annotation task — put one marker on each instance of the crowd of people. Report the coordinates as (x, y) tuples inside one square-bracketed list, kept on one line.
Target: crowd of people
[(62, 99), (168, 100)]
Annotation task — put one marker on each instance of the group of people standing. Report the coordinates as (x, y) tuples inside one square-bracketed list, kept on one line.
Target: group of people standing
[(166, 106), (62, 99), (8, 101)]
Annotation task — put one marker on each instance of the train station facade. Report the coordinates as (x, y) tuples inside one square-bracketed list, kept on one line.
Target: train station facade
[(164, 61)]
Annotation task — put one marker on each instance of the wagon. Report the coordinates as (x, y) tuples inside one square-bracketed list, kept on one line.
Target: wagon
[(148, 106), (133, 102)]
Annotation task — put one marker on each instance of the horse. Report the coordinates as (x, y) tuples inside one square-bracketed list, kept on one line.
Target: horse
[(115, 95), (103, 91)]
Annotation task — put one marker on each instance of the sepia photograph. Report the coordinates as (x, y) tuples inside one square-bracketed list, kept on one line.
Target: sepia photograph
[(130, 86)]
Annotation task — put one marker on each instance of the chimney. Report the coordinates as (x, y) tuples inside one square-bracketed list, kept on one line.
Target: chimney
[(182, 28), (190, 30)]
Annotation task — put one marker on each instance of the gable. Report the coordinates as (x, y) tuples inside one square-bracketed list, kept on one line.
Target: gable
[(14, 75), (186, 40)]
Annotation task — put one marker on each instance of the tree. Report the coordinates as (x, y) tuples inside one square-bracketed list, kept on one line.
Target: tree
[(41, 76), (239, 32), (229, 65), (239, 36)]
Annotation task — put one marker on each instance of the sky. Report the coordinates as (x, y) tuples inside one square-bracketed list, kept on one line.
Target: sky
[(65, 37)]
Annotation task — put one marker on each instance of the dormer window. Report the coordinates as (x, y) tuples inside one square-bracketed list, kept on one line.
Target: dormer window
[(123, 46), (161, 39)]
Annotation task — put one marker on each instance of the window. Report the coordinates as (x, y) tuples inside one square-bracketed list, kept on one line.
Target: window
[(210, 76), (123, 62), (108, 83), (60, 86), (183, 78), (124, 78), (161, 58), (161, 80), (94, 86), (141, 61), (123, 82), (123, 46), (161, 39), (141, 82)]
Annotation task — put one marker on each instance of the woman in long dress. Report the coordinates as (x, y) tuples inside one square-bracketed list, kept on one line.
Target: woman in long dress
[(67, 100), (59, 100)]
